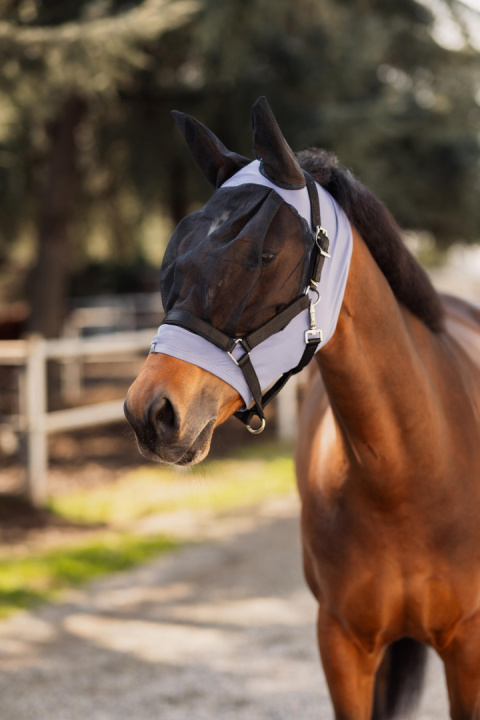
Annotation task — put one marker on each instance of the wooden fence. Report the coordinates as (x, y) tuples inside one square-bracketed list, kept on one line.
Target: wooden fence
[(36, 423), (33, 419)]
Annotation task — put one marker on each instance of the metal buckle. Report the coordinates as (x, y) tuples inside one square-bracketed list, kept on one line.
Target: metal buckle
[(312, 332), (230, 352), (321, 231)]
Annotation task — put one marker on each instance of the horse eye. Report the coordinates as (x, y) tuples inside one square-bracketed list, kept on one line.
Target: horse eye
[(267, 257)]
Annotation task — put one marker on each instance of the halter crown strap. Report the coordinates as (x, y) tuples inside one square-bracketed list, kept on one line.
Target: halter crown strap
[(313, 337), (320, 251)]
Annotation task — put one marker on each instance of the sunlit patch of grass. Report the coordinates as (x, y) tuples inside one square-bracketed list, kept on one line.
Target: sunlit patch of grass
[(248, 478), (27, 580)]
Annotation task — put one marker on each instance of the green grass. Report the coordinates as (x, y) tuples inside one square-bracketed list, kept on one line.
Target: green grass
[(25, 581), (249, 478)]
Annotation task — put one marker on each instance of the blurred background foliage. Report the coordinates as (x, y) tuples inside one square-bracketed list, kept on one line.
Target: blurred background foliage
[(93, 173)]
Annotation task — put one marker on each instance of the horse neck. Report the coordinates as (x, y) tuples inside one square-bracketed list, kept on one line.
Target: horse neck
[(375, 371)]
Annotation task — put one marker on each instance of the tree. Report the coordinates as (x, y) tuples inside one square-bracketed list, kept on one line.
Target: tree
[(87, 87), (367, 79), (60, 62)]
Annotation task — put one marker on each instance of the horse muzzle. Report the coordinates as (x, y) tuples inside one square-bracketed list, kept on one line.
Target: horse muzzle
[(173, 408), (160, 437)]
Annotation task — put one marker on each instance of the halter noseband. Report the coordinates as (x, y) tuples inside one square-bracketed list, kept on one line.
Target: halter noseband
[(313, 336)]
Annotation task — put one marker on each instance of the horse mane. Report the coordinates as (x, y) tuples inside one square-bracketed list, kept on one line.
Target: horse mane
[(408, 280)]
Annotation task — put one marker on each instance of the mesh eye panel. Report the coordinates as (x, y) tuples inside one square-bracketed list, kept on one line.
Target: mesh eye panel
[(238, 260)]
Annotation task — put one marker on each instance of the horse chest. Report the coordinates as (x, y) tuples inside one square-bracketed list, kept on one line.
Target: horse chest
[(386, 580)]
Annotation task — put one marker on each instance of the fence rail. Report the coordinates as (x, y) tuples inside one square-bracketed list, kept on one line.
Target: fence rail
[(34, 420)]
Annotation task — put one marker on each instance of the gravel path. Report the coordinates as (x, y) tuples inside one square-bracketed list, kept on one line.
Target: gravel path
[(220, 629)]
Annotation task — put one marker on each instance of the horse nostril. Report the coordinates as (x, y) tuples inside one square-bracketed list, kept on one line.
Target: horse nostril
[(164, 415)]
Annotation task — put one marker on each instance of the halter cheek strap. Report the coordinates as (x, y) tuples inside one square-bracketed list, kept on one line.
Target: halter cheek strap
[(313, 336)]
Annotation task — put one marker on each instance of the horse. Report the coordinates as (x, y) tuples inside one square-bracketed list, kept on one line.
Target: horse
[(388, 449)]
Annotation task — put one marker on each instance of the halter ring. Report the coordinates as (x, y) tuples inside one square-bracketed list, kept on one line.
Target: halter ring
[(315, 290), (257, 431)]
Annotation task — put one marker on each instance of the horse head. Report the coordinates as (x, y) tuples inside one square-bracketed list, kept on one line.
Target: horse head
[(233, 267)]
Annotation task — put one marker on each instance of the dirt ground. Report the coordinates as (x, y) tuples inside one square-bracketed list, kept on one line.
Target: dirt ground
[(223, 628)]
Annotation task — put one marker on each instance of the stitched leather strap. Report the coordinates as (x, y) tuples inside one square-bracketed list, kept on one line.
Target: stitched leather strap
[(320, 249), (314, 201), (277, 323), (191, 322)]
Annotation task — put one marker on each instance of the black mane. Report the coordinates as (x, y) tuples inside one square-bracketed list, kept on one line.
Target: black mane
[(409, 282)]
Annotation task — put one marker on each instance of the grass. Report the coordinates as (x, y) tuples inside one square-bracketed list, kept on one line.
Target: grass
[(39, 576), (248, 478)]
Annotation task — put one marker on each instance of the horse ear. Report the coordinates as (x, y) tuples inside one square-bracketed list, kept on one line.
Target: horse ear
[(277, 161), (212, 157)]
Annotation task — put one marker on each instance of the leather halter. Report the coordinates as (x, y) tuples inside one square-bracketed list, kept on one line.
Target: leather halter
[(313, 336)]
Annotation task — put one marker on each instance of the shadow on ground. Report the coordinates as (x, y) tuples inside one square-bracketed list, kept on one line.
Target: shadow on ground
[(225, 628)]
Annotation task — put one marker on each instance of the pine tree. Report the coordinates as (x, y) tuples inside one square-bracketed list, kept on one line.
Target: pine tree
[(60, 63), (88, 149)]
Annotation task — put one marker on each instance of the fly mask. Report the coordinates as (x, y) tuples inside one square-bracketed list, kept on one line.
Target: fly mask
[(240, 277)]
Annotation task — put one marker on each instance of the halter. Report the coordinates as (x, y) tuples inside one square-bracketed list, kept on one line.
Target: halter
[(313, 336)]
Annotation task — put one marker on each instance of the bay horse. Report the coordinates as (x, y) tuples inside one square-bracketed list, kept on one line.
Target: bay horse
[(388, 450)]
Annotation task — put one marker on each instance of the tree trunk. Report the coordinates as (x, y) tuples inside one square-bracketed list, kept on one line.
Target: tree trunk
[(48, 280)]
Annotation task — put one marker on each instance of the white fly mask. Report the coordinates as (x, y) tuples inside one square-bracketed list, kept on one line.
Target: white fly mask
[(237, 263)]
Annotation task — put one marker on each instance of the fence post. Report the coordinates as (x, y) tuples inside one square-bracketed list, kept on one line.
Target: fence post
[(35, 409)]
